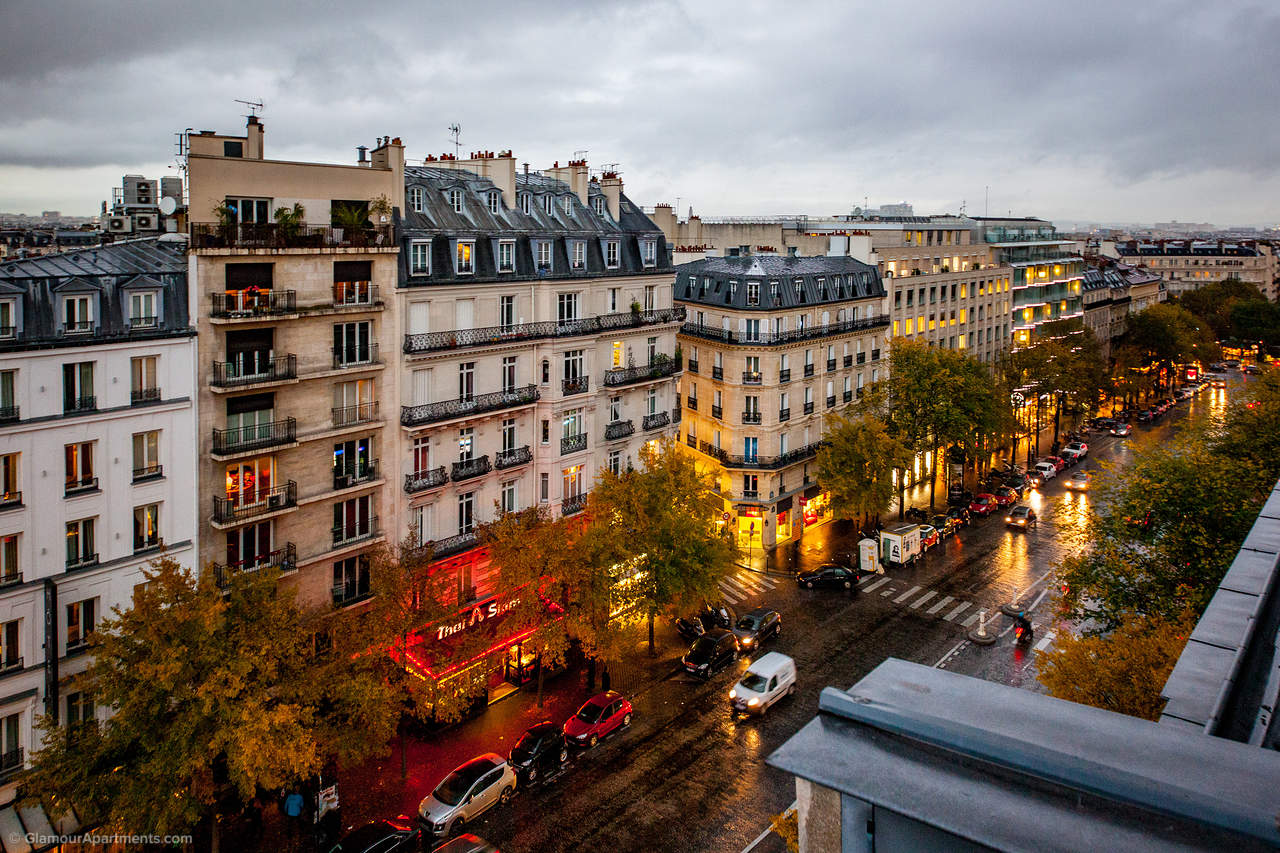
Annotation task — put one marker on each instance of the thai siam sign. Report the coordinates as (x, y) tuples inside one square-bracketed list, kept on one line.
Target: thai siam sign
[(480, 613)]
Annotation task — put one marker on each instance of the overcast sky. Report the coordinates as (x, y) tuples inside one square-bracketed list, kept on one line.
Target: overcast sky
[(1098, 111)]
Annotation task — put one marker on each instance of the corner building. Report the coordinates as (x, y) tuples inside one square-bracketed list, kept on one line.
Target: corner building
[(774, 345)]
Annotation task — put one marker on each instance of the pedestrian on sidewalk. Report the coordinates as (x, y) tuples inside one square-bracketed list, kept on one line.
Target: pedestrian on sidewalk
[(293, 812)]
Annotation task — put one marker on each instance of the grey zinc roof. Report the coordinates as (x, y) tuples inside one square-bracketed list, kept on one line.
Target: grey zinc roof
[(845, 279), (132, 257)]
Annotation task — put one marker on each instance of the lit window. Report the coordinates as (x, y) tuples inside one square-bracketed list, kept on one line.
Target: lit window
[(466, 257)]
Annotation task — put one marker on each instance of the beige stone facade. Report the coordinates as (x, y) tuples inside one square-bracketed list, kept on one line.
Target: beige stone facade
[(1190, 264)]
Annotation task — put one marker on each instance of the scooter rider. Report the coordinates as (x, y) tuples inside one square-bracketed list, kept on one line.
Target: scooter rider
[(1022, 627)]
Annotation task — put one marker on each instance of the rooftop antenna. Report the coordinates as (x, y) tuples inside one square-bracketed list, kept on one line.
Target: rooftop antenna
[(455, 130), (255, 107), (580, 154)]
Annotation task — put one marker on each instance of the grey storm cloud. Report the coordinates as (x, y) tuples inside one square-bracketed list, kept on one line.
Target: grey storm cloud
[(1090, 110)]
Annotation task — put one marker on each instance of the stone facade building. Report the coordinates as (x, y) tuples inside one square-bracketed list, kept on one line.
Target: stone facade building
[(1191, 264)]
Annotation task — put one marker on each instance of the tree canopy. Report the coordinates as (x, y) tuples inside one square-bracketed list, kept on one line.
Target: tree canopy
[(856, 464), (1215, 304)]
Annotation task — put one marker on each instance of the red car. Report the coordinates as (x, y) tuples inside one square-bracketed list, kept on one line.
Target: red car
[(1058, 461), (599, 715), (983, 504), (1006, 496)]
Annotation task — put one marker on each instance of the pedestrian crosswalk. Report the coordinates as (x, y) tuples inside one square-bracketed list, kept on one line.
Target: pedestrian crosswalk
[(742, 585), (913, 597)]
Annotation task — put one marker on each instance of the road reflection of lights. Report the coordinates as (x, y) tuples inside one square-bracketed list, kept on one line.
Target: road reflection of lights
[(1036, 500)]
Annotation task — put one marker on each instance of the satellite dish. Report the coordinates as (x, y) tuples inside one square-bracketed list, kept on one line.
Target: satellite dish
[(168, 205)]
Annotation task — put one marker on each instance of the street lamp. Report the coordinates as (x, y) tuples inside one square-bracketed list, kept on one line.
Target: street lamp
[(1017, 400)]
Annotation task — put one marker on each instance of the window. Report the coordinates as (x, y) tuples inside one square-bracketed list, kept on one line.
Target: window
[(420, 257), (250, 210), (649, 251), (466, 513), (651, 402), (495, 202), (455, 200), (752, 330), (143, 387), (77, 315), (415, 199), (544, 486), (146, 527), (613, 301), (548, 203), (510, 497), (78, 464), (10, 647), (421, 456), (421, 524), (353, 402), (508, 373), (80, 709), (80, 622), (567, 307), (566, 204), (352, 462), (573, 364), (524, 203), (572, 482), (650, 297), (146, 454), (466, 444), (597, 204), (466, 380), (753, 293), (611, 254), (579, 254), (465, 264), (10, 478), (142, 310), (351, 344), (573, 423), (651, 349), (10, 571), (615, 409), (546, 431), (508, 434), (352, 519), (750, 449), (544, 254), (8, 318), (614, 463), (506, 255), (351, 579)]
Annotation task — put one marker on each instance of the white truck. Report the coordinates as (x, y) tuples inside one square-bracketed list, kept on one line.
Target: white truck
[(900, 546)]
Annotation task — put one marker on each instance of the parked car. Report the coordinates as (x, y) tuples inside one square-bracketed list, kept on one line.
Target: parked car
[(1045, 471), (1122, 430), (1079, 447), (600, 715), (1146, 416), (929, 536), (541, 751), (767, 680), (1021, 516), (711, 652), (758, 625), (983, 505), (961, 513), (466, 843), (1102, 424), (1072, 456), (1080, 481), (1021, 482), (946, 525), (828, 575), (1217, 365), (381, 836), (1252, 368), (1005, 496), (1232, 362), (466, 793), (1058, 462), (693, 627)]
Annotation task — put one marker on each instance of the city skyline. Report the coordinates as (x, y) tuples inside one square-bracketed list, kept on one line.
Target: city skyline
[(1112, 115)]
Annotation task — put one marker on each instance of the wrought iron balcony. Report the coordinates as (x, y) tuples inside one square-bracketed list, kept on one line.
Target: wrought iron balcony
[(784, 375), (717, 373), (77, 327), (345, 416), (808, 370), (692, 403), (13, 664), (831, 401), (9, 414), (831, 365), (357, 530), (11, 500), (81, 561), (784, 414), (629, 375), (420, 481), (848, 361), (576, 385), (751, 377), (354, 473), (750, 494), (862, 358), (875, 355), (693, 365), (574, 504), (717, 412), (355, 356), (655, 421), (676, 415), (490, 335), (250, 504), (77, 485), (348, 293), (10, 579), (751, 417), (76, 405), (692, 442), (448, 546), (228, 374), (148, 472), (842, 327), (468, 468), (141, 396), (511, 458), (619, 429), (11, 762), (254, 302), (142, 324), (254, 436), (771, 463), (349, 592), (848, 396), (808, 408), (285, 559), (272, 235), (428, 413), (573, 443)]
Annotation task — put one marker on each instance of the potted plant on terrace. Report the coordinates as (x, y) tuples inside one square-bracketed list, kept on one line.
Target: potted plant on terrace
[(289, 223), (353, 219), (226, 223)]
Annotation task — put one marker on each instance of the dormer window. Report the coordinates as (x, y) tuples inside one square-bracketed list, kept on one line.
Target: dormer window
[(495, 203), (733, 290), (753, 293), (773, 292), (455, 200), (466, 257), (649, 250), (611, 254), (77, 315), (597, 204), (566, 204), (524, 203), (544, 254), (415, 199), (548, 203), (579, 254)]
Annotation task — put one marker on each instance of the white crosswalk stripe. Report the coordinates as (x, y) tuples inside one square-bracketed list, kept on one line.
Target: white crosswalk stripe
[(962, 607), (941, 604), (906, 595), (972, 618), (878, 583), (922, 599), (1044, 641), (740, 586)]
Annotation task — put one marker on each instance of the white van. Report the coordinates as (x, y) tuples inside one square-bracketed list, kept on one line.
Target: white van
[(770, 677)]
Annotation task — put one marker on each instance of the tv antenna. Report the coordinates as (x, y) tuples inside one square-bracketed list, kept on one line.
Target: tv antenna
[(580, 154), (255, 107), (455, 130)]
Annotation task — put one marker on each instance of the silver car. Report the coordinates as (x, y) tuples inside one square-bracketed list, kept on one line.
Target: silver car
[(466, 793)]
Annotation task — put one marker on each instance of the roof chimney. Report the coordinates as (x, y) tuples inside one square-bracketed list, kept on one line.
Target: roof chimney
[(361, 161), (611, 186), (253, 144)]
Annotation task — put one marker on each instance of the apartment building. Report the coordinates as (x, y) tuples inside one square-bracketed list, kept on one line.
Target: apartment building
[(539, 345), (1047, 272), (773, 345), (296, 319), (1190, 264), (97, 458)]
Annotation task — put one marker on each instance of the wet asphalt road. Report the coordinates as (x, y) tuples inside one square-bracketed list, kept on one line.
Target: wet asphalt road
[(687, 776)]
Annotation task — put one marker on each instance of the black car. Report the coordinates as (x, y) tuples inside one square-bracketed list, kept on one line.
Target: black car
[(757, 626), (960, 514), (829, 575), (1146, 417), (711, 652), (693, 627), (540, 752), (382, 836)]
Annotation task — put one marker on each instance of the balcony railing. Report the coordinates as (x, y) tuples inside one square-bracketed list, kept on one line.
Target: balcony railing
[(784, 414), (773, 338), (875, 355), (349, 592), (862, 358), (628, 375), (10, 500), (8, 332), (140, 396), (141, 324), (255, 436), (693, 442), (848, 396), (619, 429), (148, 472), (717, 412), (11, 762), (571, 505), (468, 468), (831, 401), (450, 545), (750, 494), (80, 404), (573, 443), (231, 508), (358, 529), (354, 293), (751, 377), (77, 327), (254, 302), (355, 356), (10, 579), (360, 413), (808, 408), (420, 481), (228, 374), (9, 414), (270, 235), (512, 458), (808, 370), (692, 403), (784, 375), (761, 462), (655, 421), (76, 485), (717, 373), (285, 559), (693, 365), (490, 335), (831, 365), (427, 413), (576, 385), (751, 417), (848, 361), (676, 415), (359, 471), (81, 561)]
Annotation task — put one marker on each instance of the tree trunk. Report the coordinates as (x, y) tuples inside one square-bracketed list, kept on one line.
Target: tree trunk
[(933, 476), (902, 493), (652, 652), (1057, 416), (539, 664)]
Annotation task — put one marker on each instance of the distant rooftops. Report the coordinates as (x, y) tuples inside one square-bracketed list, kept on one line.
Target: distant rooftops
[(1238, 248), (800, 281)]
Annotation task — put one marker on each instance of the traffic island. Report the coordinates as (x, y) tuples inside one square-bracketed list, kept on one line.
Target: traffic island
[(979, 634)]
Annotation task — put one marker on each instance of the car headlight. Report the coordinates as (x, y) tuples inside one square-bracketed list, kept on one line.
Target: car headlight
[(1007, 519), (439, 827), (733, 694), (746, 641), (752, 702)]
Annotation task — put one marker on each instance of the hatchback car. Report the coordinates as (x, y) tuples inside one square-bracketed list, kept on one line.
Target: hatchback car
[(1021, 482), (711, 652), (828, 575), (961, 514), (983, 505), (381, 836), (1046, 470), (541, 751), (755, 627), (1080, 481), (1122, 430), (466, 793), (600, 715), (945, 525), (1006, 496), (929, 536), (1058, 462), (1022, 517), (1079, 447)]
